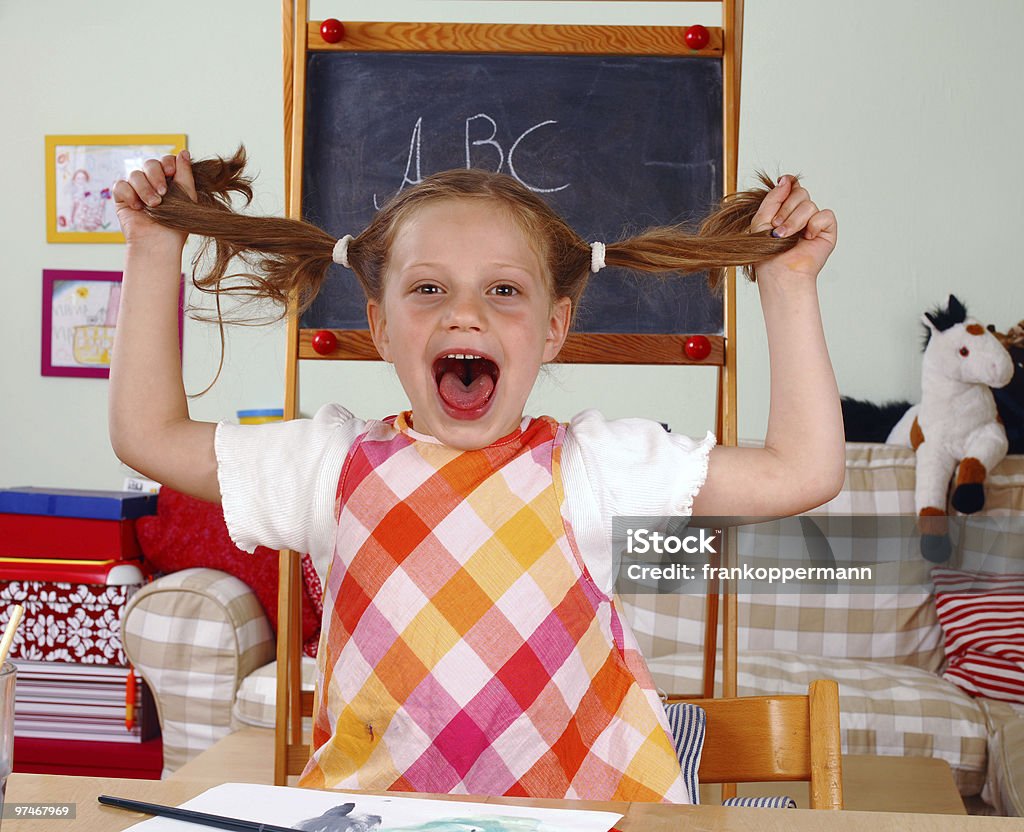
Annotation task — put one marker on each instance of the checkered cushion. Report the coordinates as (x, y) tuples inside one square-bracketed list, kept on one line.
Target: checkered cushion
[(993, 541), (257, 695), (194, 651), (879, 480), (1005, 789), (895, 627), (883, 627), (1004, 487), (900, 628), (885, 709)]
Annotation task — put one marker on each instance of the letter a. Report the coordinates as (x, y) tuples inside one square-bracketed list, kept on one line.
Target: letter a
[(414, 153)]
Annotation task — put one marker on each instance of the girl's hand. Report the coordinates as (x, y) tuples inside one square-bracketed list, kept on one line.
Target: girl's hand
[(146, 187), (787, 210)]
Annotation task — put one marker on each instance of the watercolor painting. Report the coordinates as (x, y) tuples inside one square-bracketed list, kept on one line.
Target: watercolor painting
[(80, 174), (80, 321), (343, 819), (309, 810), (340, 819)]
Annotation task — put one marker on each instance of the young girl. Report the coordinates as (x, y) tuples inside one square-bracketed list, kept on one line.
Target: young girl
[(470, 642)]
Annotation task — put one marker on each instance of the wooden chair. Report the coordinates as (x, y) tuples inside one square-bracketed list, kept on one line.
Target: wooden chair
[(291, 749), (762, 739)]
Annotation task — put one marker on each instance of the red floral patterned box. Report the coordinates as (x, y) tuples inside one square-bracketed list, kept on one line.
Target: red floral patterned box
[(69, 621)]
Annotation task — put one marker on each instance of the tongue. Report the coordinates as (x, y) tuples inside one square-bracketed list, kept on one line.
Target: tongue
[(465, 397)]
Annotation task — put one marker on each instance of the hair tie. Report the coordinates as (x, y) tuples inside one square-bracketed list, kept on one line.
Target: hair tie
[(340, 254), (597, 257)]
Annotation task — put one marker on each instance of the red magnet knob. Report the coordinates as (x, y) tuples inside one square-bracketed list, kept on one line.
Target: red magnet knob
[(697, 37), (332, 30), (325, 342), (697, 347)]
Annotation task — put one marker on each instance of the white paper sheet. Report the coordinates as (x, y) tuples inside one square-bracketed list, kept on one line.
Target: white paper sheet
[(303, 809)]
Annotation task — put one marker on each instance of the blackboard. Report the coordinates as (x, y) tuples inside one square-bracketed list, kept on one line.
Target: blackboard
[(615, 143)]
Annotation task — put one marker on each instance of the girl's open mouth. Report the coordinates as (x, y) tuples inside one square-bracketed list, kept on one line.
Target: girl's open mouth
[(465, 383)]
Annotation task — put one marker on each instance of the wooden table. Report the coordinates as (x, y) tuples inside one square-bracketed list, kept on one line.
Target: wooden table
[(881, 784), (639, 817)]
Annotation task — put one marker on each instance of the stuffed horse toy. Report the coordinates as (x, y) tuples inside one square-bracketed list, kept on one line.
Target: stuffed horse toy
[(956, 426), (871, 422)]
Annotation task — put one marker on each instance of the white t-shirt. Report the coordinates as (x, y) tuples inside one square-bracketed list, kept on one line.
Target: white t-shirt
[(278, 481)]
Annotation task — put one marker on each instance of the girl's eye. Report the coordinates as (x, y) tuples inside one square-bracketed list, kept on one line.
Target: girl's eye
[(427, 289), (505, 290), (964, 352)]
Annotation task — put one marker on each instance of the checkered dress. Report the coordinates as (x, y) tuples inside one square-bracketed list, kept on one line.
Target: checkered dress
[(467, 649)]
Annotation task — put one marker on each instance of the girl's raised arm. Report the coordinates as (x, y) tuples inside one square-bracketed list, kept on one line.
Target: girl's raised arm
[(150, 428), (802, 464)]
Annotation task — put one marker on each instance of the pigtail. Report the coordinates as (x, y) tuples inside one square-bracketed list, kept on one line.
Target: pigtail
[(283, 256), (723, 240)]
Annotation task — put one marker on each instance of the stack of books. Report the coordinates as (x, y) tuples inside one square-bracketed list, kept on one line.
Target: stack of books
[(94, 702), (72, 559)]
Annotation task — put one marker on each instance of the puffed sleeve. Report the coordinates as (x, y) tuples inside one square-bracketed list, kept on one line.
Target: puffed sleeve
[(278, 481), (626, 467)]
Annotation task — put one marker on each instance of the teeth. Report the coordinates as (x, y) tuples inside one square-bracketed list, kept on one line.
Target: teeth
[(462, 355)]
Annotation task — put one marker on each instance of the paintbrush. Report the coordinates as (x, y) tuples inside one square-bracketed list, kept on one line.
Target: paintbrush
[(190, 816), (12, 625)]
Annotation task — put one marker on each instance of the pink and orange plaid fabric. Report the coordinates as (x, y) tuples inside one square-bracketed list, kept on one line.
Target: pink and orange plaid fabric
[(467, 650)]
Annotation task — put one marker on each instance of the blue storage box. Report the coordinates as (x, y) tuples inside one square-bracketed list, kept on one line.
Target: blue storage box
[(71, 502)]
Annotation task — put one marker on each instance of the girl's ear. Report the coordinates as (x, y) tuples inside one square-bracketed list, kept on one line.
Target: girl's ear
[(378, 328), (558, 328)]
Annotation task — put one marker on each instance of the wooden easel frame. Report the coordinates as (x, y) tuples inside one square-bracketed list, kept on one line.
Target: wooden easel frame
[(300, 36)]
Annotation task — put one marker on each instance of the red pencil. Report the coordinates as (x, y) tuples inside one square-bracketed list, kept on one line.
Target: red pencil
[(129, 699)]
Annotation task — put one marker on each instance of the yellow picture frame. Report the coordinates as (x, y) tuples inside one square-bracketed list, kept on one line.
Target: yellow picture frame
[(80, 172)]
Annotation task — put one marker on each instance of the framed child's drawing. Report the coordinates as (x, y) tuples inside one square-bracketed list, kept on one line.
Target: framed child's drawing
[(80, 173), (80, 322)]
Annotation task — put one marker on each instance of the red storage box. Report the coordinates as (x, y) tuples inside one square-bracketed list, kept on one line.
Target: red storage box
[(72, 611), (39, 536), (142, 761)]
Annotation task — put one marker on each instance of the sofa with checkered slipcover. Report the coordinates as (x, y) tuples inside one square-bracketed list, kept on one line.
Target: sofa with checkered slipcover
[(884, 648), (202, 643)]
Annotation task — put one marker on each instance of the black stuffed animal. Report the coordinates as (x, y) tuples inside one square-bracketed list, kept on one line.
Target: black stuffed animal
[(1010, 399)]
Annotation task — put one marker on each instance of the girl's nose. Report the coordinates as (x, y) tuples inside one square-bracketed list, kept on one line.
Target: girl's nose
[(465, 312)]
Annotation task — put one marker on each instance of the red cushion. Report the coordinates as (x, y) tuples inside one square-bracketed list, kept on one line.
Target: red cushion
[(187, 532), (982, 618)]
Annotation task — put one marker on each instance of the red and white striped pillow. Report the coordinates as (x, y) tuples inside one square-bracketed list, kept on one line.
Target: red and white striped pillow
[(982, 618)]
